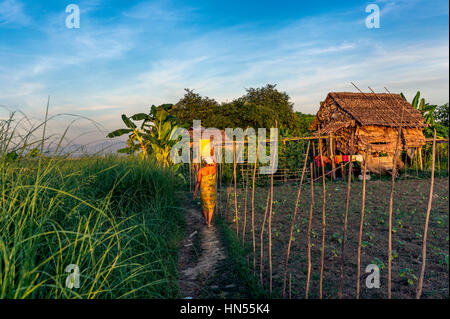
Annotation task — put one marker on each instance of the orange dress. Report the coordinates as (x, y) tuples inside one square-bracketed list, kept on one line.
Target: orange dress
[(208, 191)]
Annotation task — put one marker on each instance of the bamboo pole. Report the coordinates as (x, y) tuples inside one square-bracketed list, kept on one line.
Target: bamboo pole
[(219, 177), (347, 204), (270, 214), (245, 206), (293, 218), (253, 210), (361, 224), (333, 165), (322, 259), (420, 159), (308, 277), (391, 202), (416, 162), (439, 162), (425, 234), (190, 176), (262, 239), (314, 162), (235, 190)]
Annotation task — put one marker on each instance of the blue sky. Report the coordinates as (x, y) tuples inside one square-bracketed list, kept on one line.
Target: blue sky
[(128, 55)]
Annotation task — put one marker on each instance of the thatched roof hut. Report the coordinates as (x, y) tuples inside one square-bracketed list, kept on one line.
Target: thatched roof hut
[(373, 118)]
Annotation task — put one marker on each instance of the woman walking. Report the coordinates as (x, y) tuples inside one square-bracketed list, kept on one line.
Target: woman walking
[(207, 181)]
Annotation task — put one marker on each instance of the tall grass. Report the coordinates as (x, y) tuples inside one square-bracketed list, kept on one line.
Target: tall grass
[(115, 218)]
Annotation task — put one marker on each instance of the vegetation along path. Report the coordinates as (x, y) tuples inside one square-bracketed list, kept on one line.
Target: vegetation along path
[(204, 267)]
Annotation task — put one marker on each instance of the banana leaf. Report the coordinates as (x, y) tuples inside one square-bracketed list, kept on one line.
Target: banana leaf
[(127, 122), (119, 132)]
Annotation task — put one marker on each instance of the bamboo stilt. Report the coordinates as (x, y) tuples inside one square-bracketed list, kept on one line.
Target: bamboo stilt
[(425, 234), (439, 162), (245, 207), (314, 162), (322, 258), (333, 165), (347, 203), (270, 217), (420, 159), (235, 190), (253, 210), (293, 218), (361, 224), (262, 239), (190, 176), (219, 193), (308, 277), (391, 202)]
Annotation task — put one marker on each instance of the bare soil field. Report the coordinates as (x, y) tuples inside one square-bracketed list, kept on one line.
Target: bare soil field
[(409, 210)]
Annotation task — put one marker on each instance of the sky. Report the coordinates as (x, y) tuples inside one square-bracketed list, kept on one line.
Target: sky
[(128, 55)]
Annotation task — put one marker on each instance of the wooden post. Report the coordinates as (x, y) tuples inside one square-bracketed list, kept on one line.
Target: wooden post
[(253, 209), (420, 159), (322, 258), (361, 224), (270, 214), (391, 203), (424, 248), (235, 190), (391, 199), (245, 206), (347, 204), (416, 162), (439, 162), (190, 176), (313, 172), (308, 277), (333, 165), (293, 219), (262, 239)]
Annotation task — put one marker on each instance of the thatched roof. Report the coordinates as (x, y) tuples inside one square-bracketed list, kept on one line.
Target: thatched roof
[(380, 109), (333, 127)]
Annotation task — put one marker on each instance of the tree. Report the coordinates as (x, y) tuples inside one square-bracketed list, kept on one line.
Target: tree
[(304, 123), (257, 108), (279, 102), (441, 115), (195, 107)]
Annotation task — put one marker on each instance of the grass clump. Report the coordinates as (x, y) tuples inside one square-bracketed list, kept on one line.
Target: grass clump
[(115, 218)]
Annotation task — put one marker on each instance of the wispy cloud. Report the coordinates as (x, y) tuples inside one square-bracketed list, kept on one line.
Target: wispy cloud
[(122, 61), (159, 10), (12, 13)]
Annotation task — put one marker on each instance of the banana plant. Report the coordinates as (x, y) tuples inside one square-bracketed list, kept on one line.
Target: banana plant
[(427, 110), (160, 126), (135, 134), (154, 134)]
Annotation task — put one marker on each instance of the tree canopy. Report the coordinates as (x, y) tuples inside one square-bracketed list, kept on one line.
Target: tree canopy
[(258, 107)]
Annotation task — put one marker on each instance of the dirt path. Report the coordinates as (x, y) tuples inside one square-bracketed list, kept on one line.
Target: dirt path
[(200, 253)]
